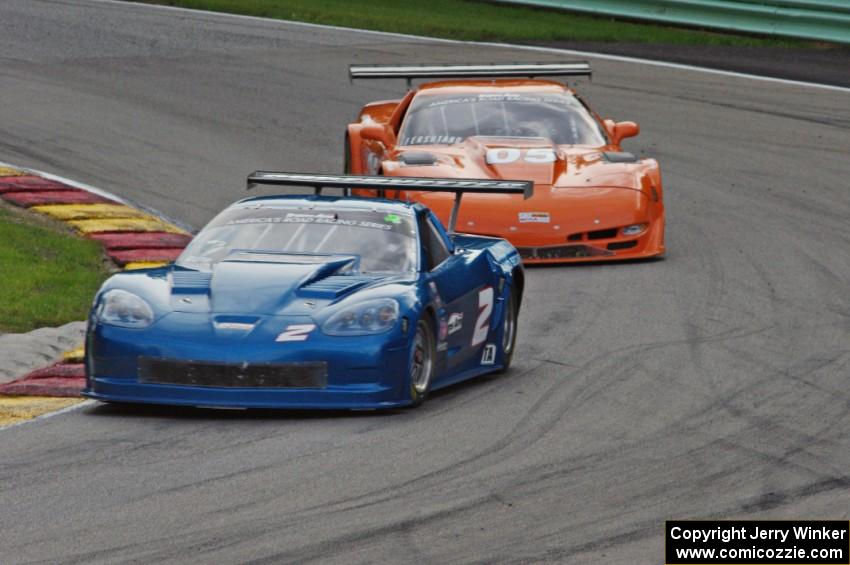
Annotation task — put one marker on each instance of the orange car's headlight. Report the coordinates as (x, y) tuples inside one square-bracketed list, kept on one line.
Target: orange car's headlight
[(634, 229)]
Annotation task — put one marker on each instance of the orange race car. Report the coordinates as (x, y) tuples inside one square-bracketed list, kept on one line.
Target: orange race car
[(591, 202)]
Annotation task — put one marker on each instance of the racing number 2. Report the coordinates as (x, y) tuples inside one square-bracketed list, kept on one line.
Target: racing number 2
[(296, 332), (485, 308)]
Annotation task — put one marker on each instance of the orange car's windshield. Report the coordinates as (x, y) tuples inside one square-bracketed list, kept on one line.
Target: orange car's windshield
[(445, 119)]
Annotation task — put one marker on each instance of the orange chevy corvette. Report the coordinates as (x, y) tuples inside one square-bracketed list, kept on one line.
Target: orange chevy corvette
[(592, 201)]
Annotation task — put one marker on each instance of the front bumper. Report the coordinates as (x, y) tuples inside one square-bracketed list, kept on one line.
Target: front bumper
[(170, 364), (649, 244), (330, 398), (572, 224)]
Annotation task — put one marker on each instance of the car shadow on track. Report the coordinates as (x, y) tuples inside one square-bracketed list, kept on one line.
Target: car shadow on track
[(596, 264), (127, 410), (440, 400)]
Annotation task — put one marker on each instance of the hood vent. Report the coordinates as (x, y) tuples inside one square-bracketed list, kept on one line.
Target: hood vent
[(190, 281), (619, 157), (334, 286), (417, 158)]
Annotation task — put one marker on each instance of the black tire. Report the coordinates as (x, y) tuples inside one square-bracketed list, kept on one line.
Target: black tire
[(423, 354), (509, 327), (346, 160)]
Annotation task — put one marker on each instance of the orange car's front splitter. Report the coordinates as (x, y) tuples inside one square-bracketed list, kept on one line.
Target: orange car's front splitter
[(649, 244), (605, 256)]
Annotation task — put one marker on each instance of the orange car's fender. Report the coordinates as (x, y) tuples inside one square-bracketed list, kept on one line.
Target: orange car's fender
[(653, 173), (362, 155), (380, 111), (366, 155), (354, 162)]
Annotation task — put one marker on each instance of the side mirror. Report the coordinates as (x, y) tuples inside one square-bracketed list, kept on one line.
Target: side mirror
[(621, 130), (375, 132)]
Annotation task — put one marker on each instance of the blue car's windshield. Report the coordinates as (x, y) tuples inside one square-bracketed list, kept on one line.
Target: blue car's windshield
[(385, 242)]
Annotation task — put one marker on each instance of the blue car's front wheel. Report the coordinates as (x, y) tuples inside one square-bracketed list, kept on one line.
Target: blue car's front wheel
[(422, 356), (509, 323)]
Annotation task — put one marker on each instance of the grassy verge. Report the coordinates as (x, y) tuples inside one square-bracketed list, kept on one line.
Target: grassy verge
[(471, 20), (49, 276)]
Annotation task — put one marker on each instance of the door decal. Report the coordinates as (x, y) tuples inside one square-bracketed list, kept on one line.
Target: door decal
[(485, 308)]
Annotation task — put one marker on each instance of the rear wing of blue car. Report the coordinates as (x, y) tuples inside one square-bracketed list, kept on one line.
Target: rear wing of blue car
[(495, 70), (347, 182)]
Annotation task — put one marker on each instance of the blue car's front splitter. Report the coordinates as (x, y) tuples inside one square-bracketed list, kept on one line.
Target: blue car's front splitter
[(360, 397)]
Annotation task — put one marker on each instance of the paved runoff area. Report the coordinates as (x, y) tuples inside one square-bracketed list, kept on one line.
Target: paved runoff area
[(712, 383)]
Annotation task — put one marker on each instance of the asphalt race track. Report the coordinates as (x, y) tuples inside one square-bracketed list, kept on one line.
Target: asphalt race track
[(711, 384)]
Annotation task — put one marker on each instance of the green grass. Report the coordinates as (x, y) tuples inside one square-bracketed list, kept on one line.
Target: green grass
[(48, 275), (471, 20)]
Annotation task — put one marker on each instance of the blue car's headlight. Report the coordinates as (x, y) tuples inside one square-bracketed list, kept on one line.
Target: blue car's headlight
[(122, 308), (369, 317)]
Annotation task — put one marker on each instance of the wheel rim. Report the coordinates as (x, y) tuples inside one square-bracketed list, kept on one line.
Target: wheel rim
[(420, 367), (509, 326)]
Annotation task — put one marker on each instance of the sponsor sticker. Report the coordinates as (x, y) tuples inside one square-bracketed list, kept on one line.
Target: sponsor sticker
[(489, 355), (431, 140), (328, 219), (455, 322), (534, 217), (302, 217), (392, 219)]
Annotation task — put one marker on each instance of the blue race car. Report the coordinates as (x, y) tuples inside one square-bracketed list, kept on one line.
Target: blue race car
[(312, 301)]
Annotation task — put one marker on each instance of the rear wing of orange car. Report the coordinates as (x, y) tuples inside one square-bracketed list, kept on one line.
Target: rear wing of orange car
[(346, 182), (495, 70)]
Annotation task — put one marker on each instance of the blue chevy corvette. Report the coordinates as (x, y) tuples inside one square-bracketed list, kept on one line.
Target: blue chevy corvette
[(311, 301)]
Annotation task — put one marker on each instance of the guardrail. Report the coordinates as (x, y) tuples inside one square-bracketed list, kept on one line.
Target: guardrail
[(823, 20)]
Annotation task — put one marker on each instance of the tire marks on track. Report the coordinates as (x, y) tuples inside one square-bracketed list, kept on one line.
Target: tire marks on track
[(710, 384)]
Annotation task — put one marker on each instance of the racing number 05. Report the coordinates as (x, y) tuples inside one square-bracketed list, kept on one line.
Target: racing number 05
[(504, 155)]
